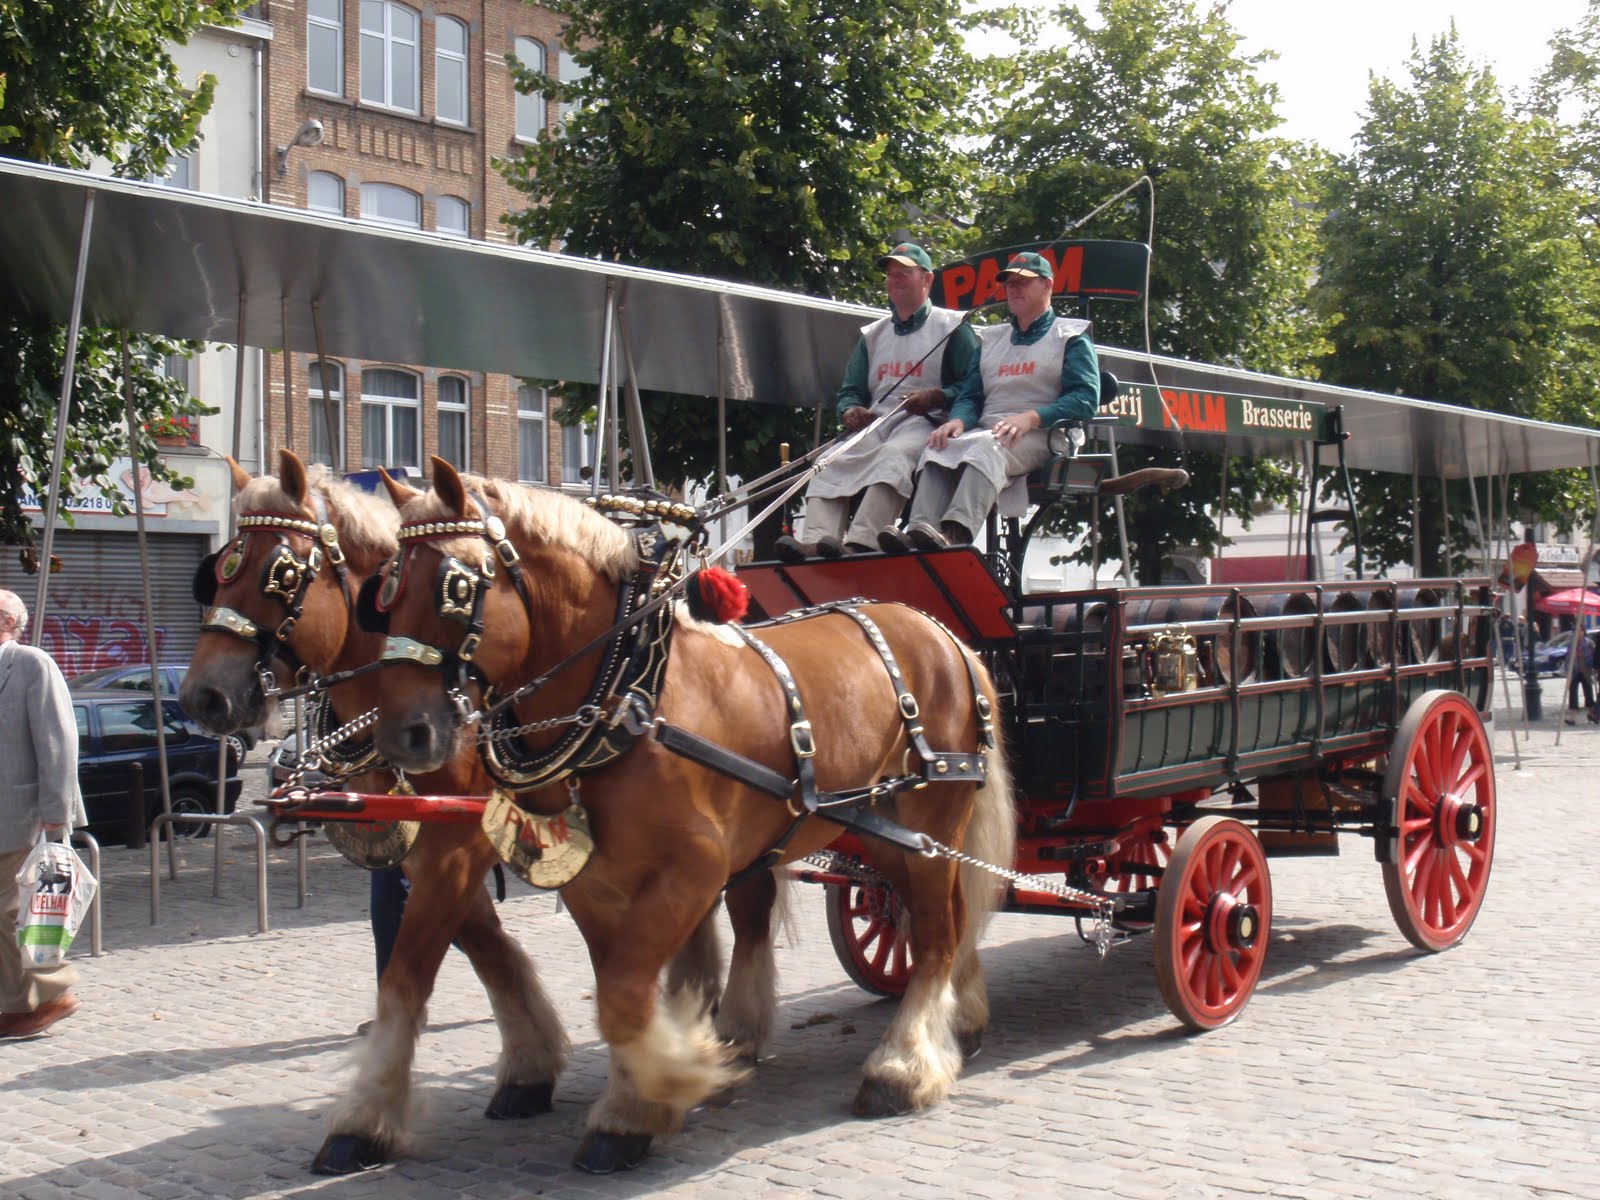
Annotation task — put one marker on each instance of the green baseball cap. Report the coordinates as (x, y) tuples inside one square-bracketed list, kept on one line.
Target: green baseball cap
[(908, 253), (1028, 264)]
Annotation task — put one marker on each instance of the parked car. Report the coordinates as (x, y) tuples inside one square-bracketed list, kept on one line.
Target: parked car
[(282, 761), (1550, 658), (136, 677), (116, 730)]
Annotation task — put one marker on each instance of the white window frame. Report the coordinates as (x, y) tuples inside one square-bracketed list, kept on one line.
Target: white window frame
[(372, 195), (180, 173), (462, 408), (528, 420), (442, 57), (532, 114), (394, 408), (337, 181), (316, 422), (571, 72), (336, 25), (577, 437), (447, 203), (386, 42)]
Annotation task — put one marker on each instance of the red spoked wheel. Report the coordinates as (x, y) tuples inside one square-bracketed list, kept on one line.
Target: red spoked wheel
[(1213, 921), (867, 923), (1123, 876), (1439, 789)]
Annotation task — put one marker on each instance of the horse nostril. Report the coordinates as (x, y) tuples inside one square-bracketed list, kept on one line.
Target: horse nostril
[(418, 738), (210, 706)]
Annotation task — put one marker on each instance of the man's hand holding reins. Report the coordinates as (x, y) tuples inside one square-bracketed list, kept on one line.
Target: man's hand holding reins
[(854, 418), (924, 401)]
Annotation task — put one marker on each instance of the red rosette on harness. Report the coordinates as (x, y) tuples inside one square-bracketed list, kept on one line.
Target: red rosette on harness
[(716, 595)]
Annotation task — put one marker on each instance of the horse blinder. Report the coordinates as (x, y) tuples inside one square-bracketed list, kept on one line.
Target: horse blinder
[(370, 614), (204, 584)]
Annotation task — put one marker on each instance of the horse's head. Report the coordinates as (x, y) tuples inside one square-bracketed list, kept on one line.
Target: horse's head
[(491, 581), (283, 589)]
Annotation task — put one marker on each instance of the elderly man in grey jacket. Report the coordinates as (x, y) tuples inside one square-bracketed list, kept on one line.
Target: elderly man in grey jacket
[(38, 791)]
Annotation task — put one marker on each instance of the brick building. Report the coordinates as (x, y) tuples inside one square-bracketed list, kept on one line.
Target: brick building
[(414, 105)]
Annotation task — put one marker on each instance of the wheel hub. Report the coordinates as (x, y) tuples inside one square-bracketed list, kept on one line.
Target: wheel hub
[(1457, 820), (1232, 923)]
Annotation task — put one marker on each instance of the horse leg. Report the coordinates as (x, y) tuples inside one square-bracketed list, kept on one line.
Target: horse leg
[(750, 1003), (665, 1055), (533, 1045), (697, 968), (918, 1060)]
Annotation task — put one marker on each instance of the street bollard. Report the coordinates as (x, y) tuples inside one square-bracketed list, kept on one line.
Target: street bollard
[(133, 838)]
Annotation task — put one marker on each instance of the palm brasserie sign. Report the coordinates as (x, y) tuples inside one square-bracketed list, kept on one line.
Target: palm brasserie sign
[(1167, 409)]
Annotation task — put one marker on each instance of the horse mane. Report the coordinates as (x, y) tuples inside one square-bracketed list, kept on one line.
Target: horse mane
[(367, 522), (539, 514)]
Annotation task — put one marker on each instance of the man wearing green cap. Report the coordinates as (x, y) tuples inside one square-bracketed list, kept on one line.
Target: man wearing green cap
[(918, 354), (1032, 371)]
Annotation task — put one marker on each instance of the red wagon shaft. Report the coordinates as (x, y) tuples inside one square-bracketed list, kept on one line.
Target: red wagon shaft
[(378, 806)]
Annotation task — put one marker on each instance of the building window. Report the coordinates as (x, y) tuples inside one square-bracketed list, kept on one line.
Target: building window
[(325, 404), (577, 447), (390, 205), (450, 70), (453, 422), (530, 109), (391, 67), (532, 403), (325, 193), (571, 72), (453, 213), (179, 174), (391, 419), (325, 46)]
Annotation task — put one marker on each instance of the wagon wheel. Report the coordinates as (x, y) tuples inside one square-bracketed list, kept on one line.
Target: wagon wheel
[(867, 924), (1440, 786), (1213, 918), (1124, 876)]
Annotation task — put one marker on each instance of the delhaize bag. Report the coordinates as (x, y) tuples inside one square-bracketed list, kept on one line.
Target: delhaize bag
[(55, 890)]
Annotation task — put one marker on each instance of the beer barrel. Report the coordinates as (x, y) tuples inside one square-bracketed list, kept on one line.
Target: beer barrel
[(1342, 643), (1216, 649), (1420, 636), (1288, 653), (1377, 638)]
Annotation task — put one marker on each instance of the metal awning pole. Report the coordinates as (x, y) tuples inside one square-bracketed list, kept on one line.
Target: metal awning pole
[(1222, 505), (605, 381), (638, 436), (52, 504), (1444, 512), (222, 743), (335, 442), (288, 392), (1416, 524), (614, 433), (722, 411), (1485, 546), (149, 605), (1128, 575)]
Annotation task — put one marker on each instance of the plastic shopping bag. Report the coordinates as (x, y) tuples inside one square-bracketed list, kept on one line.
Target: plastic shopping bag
[(55, 891)]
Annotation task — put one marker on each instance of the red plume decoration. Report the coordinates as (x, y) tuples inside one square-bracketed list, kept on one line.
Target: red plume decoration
[(716, 595)]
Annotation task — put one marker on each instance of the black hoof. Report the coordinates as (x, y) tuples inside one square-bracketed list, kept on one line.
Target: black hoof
[(878, 1098), (969, 1043), (516, 1101), (347, 1153), (603, 1153)]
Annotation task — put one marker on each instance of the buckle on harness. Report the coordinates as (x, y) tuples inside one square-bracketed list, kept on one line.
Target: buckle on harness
[(469, 647), (908, 706), (800, 738)]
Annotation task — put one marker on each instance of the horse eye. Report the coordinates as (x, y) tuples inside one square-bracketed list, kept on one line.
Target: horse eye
[(390, 590), (231, 562)]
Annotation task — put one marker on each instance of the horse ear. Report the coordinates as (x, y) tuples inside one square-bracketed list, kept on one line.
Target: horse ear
[(292, 476), (399, 493), (448, 487), (240, 475)]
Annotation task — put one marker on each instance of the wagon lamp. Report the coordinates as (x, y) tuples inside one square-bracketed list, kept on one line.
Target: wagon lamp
[(309, 134)]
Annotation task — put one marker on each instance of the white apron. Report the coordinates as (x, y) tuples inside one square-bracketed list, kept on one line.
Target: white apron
[(888, 451), (1015, 379)]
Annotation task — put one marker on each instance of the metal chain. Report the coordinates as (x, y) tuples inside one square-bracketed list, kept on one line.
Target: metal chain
[(586, 716), (311, 758)]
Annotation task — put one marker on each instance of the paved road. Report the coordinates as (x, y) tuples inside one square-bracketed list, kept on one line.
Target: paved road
[(205, 1056)]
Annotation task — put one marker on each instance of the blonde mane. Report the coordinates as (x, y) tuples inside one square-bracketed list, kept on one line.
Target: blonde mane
[(367, 522), (541, 515)]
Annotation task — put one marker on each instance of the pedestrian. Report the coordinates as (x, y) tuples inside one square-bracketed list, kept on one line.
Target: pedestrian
[(38, 792), (919, 355), (1582, 674)]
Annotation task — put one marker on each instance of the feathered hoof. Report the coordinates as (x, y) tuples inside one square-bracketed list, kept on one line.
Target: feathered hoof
[(603, 1153), (969, 1043), (347, 1153), (518, 1101), (882, 1098)]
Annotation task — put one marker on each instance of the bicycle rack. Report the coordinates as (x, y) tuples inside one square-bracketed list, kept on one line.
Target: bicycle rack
[(163, 820)]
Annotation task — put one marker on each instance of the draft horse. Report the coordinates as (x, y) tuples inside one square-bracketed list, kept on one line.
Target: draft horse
[(495, 584), (284, 590)]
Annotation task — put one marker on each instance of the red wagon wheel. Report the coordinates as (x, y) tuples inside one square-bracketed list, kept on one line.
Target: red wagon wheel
[(1123, 877), (1213, 918), (1440, 784), (867, 924)]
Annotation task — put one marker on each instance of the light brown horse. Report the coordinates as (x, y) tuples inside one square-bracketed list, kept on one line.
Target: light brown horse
[(260, 578), (668, 831)]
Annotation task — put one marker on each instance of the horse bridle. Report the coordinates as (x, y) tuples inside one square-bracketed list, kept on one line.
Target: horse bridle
[(285, 576)]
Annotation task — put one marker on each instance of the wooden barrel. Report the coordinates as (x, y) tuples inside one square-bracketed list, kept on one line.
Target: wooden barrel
[(1420, 636), (1342, 643), (1377, 637), (1216, 650), (1288, 653)]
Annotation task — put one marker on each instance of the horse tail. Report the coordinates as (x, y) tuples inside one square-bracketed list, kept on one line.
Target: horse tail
[(991, 831)]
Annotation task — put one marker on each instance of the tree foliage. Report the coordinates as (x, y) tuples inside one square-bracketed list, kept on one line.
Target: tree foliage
[(1452, 265), (778, 142), (1161, 88), (79, 83)]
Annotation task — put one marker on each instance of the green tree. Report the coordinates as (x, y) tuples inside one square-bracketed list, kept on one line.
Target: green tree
[(1452, 264), (777, 142), (1161, 88), (79, 83)]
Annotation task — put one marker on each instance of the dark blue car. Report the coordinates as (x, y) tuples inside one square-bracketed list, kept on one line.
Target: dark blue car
[(117, 728)]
